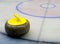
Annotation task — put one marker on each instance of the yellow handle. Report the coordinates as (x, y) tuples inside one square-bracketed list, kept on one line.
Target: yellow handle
[(18, 17), (17, 20)]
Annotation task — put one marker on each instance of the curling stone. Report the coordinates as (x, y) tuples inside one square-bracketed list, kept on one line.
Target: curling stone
[(17, 26)]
